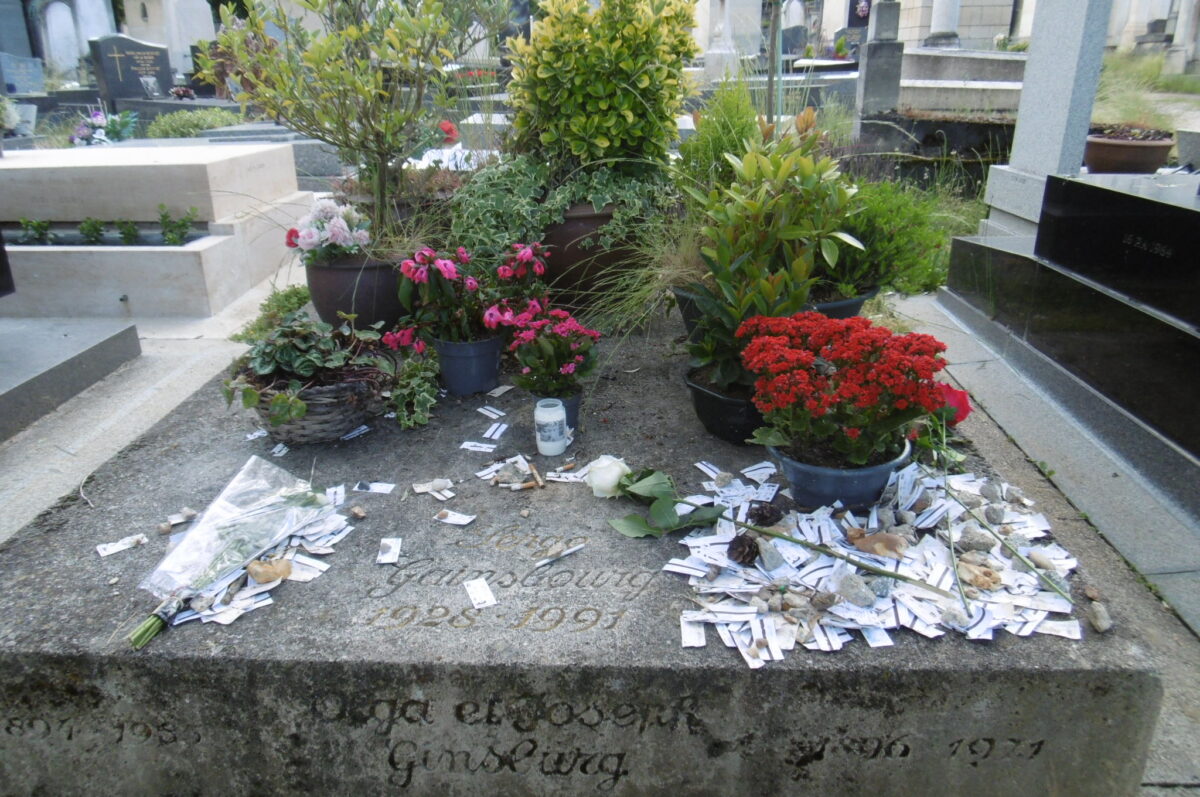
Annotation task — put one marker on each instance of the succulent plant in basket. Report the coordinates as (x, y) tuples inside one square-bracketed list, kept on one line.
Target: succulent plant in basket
[(313, 382)]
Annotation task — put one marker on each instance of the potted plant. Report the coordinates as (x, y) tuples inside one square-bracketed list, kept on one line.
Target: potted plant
[(554, 352), (770, 235), (343, 277), (594, 95), (365, 82), (461, 306), (1128, 134), (312, 382), (838, 397), (97, 127)]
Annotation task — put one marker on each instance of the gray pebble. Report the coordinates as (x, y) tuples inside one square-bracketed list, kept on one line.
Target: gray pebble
[(775, 604), (1098, 616), (793, 600), (759, 604), (954, 616), (855, 590), (905, 531), (1015, 494), (882, 587), (993, 514), (990, 492), (886, 518), (823, 600), (970, 592), (723, 479), (906, 517), (1039, 558), (1054, 578), (970, 501), (770, 556), (975, 539)]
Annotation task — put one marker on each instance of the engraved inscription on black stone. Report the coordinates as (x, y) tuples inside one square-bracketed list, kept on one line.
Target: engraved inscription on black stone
[(1138, 235), (122, 62)]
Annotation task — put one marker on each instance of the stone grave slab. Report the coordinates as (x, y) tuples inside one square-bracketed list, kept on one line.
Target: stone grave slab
[(381, 677), (20, 75), (129, 67)]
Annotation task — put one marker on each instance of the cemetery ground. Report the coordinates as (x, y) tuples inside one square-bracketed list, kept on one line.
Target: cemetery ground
[(318, 671)]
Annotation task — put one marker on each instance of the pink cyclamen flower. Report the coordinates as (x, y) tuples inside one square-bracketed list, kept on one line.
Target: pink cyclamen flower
[(405, 336), (391, 340), (447, 268), (524, 255), (424, 255), (471, 284), (420, 274), (538, 268), (504, 273), (464, 256), (491, 317), (419, 346), (407, 267)]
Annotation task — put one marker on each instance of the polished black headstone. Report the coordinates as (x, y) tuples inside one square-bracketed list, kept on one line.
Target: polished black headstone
[(1138, 235), (6, 279), (21, 75), (122, 62), (1147, 364)]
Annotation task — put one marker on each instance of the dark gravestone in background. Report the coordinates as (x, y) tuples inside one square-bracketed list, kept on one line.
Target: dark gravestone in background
[(795, 40), (6, 280), (21, 75), (121, 63), (14, 34)]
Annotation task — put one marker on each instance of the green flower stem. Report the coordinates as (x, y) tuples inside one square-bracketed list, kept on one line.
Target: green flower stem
[(1009, 546), (812, 546)]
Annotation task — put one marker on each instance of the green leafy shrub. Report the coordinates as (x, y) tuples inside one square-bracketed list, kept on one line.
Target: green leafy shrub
[(129, 232), (902, 243), (272, 311), (91, 231), (601, 85), (35, 232), (727, 122), (175, 231), (187, 124)]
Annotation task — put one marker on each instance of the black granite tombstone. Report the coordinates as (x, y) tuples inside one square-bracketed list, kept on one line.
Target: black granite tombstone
[(1136, 234), (14, 33), (795, 39), (122, 62), (21, 75)]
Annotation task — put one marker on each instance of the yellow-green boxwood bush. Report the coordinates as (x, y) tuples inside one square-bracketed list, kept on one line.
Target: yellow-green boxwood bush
[(186, 124), (604, 84)]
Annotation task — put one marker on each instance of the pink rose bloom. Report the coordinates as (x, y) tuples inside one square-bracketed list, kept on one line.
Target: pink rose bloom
[(362, 237), (424, 255), (533, 307), (504, 273), (447, 268), (407, 267), (471, 284), (524, 255), (464, 256), (420, 274), (339, 233), (308, 239)]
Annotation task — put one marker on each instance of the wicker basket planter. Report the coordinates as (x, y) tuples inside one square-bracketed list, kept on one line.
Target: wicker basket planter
[(333, 410)]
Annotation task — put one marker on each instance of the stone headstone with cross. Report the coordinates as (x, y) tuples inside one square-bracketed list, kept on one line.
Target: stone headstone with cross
[(19, 75), (128, 68)]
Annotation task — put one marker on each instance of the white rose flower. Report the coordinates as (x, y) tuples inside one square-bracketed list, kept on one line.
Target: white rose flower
[(603, 475)]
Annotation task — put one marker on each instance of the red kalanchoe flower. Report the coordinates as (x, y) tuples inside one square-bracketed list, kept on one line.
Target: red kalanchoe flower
[(293, 236)]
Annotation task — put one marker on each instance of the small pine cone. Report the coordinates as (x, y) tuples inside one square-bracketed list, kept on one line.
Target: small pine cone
[(743, 549), (764, 514)]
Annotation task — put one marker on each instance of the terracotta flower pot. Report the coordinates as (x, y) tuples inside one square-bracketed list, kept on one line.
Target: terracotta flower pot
[(1118, 156)]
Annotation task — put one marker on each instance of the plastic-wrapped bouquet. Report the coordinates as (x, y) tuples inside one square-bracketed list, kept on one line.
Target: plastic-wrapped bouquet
[(329, 231), (97, 127)]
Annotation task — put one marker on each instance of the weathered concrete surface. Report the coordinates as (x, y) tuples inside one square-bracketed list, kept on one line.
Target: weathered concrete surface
[(377, 677)]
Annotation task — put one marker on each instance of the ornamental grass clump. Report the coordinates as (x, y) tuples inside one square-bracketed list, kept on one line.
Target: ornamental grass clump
[(554, 350), (839, 392)]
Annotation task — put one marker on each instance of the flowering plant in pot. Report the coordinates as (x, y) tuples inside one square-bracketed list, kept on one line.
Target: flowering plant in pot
[(554, 352), (342, 277), (312, 381), (839, 397), (460, 307)]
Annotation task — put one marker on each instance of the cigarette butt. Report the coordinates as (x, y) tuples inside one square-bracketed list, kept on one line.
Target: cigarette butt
[(568, 466), (537, 476), (526, 486)]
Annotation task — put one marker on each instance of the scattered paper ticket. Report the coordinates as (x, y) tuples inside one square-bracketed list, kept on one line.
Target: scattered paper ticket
[(374, 487), (132, 541), (453, 518), (389, 551), (480, 593)]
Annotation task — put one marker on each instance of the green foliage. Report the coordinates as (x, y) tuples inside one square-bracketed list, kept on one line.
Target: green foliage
[(657, 489), (414, 393), (601, 85), (362, 82), (91, 231), (272, 311), (121, 126), (175, 231), (898, 230), (129, 232), (187, 124), (514, 200), (727, 122), (1123, 96), (35, 232)]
